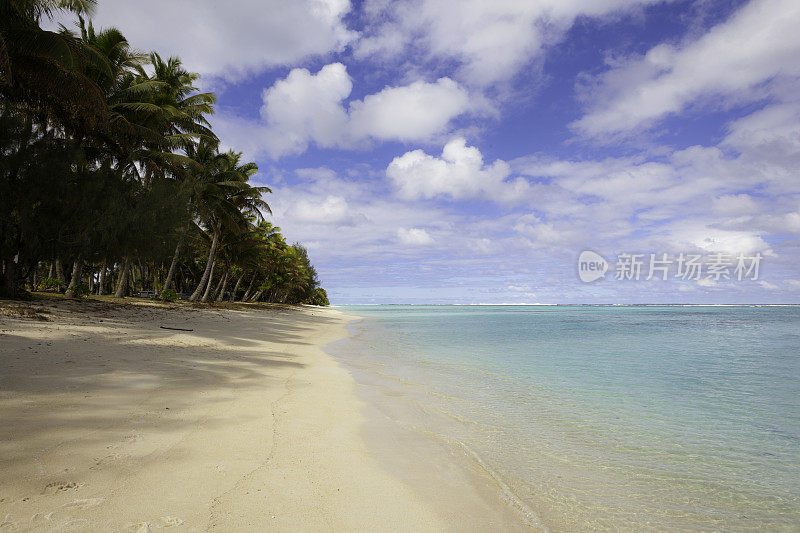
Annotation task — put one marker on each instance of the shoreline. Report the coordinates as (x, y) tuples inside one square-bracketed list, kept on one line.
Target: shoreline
[(112, 423), (464, 488), (605, 420)]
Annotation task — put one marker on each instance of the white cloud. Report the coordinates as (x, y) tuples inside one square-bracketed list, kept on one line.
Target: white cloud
[(489, 41), (316, 174), (330, 210), (781, 222), (697, 197), (352, 217), (771, 135), (484, 246), (734, 205), (697, 234), (383, 235), (775, 124), (306, 108), (414, 237), (692, 200), (540, 233), (758, 43), (364, 234), (460, 174), (767, 285), (231, 38), (413, 112)]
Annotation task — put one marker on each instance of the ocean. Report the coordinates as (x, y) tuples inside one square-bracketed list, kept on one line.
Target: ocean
[(624, 418)]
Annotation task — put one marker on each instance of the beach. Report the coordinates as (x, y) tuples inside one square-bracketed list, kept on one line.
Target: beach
[(140, 415), (111, 422)]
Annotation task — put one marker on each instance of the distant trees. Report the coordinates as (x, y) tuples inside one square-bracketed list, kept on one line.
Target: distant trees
[(112, 180)]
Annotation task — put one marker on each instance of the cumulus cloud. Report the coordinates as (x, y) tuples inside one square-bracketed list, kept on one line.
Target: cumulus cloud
[(732, 198), (231, 38), (352, 218), (330, 210), (306, 107), (412, 112), (489, 41), (357, 228), (459, 174), (414, 237), (732, 61), (697, 234), (303, 107), (560, 213)]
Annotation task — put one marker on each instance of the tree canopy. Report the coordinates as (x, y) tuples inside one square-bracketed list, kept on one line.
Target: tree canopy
[(113, 180)]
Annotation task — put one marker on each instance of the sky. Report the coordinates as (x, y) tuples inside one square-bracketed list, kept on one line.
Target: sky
[(468, 151)]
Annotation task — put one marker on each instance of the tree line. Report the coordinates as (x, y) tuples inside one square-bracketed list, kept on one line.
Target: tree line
[(112, 181)]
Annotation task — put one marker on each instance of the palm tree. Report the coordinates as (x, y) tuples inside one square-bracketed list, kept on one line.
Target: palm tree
[(213, 191), (185, 124), (150, 116), (108, 159), (47, 70), (118, 147), (226, 198), (268, 242), (184, 121)]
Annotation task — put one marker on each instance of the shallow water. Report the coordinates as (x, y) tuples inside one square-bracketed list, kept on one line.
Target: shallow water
[(630, 418)]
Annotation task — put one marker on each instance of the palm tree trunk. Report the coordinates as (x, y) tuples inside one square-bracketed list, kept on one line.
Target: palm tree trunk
[(171, 273), (77, 268), (60, 273), (236, 287), (215, 293), (256, 296), (102, 281), (130, 285), (249, 287), (210, 263), (142, 277), (132, 278), (207, 292), (9, 286), (122, 282), (221, 290)]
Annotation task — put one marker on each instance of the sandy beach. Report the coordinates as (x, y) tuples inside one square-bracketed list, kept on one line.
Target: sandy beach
[(111, 422)]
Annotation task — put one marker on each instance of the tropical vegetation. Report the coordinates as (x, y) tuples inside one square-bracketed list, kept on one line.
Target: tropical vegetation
[(113, 182)]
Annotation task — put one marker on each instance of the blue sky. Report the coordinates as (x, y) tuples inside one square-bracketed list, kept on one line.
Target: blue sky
[(443, 151)]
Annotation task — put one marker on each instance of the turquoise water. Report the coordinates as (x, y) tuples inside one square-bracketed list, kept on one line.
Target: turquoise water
[(632, 418)]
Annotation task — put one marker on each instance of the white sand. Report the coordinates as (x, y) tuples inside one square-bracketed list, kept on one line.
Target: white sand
[(111, 423)]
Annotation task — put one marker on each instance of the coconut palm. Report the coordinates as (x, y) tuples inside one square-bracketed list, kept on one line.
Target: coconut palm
[(221, 188), (46, 70), (109, 162)]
